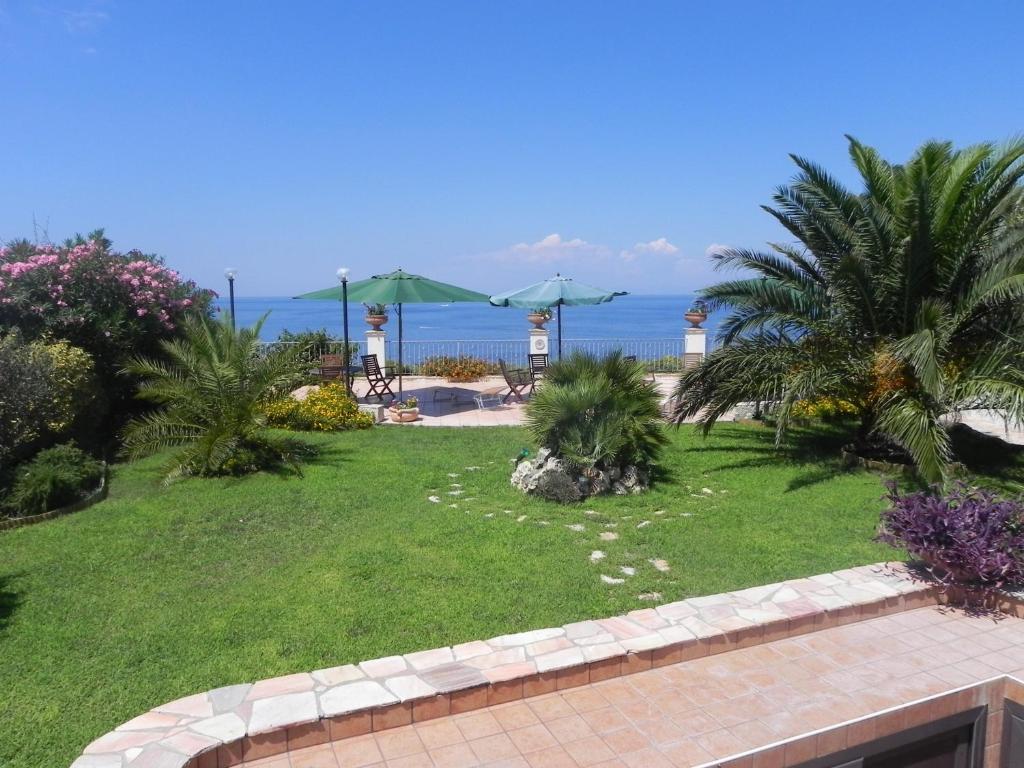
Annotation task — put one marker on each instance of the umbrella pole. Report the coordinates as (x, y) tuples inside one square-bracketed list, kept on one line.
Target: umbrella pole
[(401, 395), (559, 330)]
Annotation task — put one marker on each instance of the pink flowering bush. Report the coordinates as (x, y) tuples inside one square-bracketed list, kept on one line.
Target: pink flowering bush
[(111, 304)]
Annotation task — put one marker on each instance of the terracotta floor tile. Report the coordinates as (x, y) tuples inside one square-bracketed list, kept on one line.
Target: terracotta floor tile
[(572, 728), (419, 760), (496, 747), (320, 756), (517, 715), (585, 699), (439, 733), (476, 725), (399, 742), (589, 751), (455, 756), (357, 752), (625, 740), (605, 719), (532, 738), (550, 707), (687, 753), (646, 758), (552, 757), (512, 762)]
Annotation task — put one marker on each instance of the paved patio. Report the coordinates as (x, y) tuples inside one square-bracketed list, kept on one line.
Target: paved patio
[(703, 711), (444, 404)]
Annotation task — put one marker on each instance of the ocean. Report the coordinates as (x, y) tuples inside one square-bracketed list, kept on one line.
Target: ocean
[(627, 317)]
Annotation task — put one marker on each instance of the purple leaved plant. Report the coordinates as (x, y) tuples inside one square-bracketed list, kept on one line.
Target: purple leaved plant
[(970, 534)]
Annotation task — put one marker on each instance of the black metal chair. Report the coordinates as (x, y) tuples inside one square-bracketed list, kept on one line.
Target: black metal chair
[(516, 379), (378, 377), (649, 375)]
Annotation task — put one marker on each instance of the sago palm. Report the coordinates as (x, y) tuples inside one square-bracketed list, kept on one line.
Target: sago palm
[(597, 413), (903, 298), (209, 386)]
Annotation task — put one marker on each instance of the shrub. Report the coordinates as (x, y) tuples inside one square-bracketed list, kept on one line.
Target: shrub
[(24, 397), (970, 534), (462, 368), (56, 477), (824, 408), (598, 413), (211, 392), (325, 409), (108, 303), (74, 389)]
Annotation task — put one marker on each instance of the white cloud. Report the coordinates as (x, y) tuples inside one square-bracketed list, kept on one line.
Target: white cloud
[(659, 247), (714, 248), (84, 21), (553, 248)]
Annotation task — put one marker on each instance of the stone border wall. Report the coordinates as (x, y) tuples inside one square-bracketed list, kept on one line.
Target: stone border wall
[(223, 727), (94, 497)]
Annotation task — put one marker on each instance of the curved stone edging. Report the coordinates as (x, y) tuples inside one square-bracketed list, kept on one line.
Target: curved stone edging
[(223, 727), (94, 497)]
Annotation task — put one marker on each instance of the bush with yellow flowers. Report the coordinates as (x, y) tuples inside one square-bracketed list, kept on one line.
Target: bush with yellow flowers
[(825, 408), (327, 408), (462, 368)]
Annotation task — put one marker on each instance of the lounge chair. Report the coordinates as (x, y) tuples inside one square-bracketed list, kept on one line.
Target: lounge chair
[(516, 380), (378, 377)]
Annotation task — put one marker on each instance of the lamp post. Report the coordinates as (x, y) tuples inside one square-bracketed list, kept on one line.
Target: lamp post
[(231, 273), (343, 278)]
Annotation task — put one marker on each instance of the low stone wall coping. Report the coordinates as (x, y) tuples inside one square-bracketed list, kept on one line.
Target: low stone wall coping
[(216, 729)]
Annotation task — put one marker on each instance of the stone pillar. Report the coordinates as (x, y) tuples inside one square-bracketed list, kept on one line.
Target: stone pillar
[(375, 345), (539, 341), (694, 343)]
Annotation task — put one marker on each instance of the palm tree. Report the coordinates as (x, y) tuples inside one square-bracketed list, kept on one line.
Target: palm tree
[(211, 384), (902, 299)]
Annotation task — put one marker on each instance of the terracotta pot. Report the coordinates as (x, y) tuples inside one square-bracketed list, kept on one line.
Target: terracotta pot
[(401, 415), (696, 318), (537, 319), (376, 321)]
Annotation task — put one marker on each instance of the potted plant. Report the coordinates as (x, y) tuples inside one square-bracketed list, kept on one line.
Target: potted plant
[(376, 315), (405, 410), (697, 313), (539, 316)]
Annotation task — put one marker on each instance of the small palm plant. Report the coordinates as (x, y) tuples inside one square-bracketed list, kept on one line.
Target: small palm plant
[(597, 413), (211, 384)]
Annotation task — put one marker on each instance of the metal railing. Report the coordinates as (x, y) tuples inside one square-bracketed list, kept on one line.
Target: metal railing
[(658, 355)]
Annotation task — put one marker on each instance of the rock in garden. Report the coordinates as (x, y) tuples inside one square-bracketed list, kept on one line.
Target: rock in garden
[(611, 580)]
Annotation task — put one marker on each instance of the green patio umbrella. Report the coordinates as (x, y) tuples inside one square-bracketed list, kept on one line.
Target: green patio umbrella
[(399, 288), (554, 292)]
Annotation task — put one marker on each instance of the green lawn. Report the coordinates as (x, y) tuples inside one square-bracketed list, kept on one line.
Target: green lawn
[(161, 592)]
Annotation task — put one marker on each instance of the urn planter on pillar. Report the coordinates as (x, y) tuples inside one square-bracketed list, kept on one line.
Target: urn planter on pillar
[(539, 317), (697, 313), (376, 315)]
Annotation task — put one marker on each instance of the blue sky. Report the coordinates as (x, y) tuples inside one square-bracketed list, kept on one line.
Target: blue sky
[(482, 143)]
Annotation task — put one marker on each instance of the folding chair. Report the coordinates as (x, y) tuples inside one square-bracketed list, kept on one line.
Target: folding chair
[(649, 375), (538, 364), (378, 378), (516, 380)]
